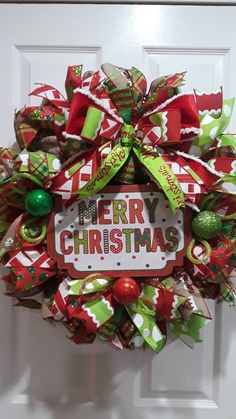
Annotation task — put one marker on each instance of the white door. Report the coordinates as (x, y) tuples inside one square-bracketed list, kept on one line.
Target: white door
[(44, 375)]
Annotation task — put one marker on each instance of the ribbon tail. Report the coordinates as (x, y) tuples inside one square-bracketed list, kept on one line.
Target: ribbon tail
[(162, 173), (109, 168), (189, 330), (147, 327)]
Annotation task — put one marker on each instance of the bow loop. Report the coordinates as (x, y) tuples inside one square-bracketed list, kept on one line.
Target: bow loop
[(91, 284), (162, 127), (213, 124)]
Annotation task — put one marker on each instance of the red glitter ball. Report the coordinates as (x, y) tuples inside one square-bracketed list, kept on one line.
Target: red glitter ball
[(126, 290)]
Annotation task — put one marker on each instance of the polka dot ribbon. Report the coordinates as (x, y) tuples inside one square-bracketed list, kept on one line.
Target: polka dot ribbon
[(91, 301), (215, 114)]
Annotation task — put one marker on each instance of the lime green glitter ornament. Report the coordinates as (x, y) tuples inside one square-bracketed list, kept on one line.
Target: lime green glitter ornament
[(38, 202), (206, 225)]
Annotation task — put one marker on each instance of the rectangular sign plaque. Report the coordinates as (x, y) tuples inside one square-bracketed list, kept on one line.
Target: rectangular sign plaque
[(123, 230)]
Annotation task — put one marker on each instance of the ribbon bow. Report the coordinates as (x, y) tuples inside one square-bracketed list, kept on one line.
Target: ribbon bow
[(94, 119), (117, 157)]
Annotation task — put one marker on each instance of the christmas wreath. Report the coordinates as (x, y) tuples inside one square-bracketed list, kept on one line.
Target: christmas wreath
[(118, 207)]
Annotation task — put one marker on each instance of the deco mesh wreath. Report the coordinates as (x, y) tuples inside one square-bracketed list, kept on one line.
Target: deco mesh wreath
[(127, 261)]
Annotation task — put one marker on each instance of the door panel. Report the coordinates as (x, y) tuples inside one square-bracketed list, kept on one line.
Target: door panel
[(43, 374)]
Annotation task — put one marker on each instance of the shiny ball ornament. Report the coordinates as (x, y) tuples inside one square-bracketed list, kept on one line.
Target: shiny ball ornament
[(38, 202), (206, 225), (126, 290)]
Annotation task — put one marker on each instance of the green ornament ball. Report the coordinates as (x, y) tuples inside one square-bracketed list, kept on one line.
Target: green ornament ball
[(206, 225), (38, 202)]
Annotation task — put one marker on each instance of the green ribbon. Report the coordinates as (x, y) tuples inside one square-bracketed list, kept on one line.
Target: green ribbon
[(92, 123), (92, 283), (142, 313), (156, 165), (189, 330), (145, 322), (212, 128), (40, 164), (228, 140), (142, 316)]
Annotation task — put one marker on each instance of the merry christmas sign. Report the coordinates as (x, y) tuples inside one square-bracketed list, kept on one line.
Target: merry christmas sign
[(122, 230)]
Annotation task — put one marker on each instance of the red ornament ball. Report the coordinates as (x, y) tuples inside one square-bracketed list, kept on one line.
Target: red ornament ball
[(126, 290)]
